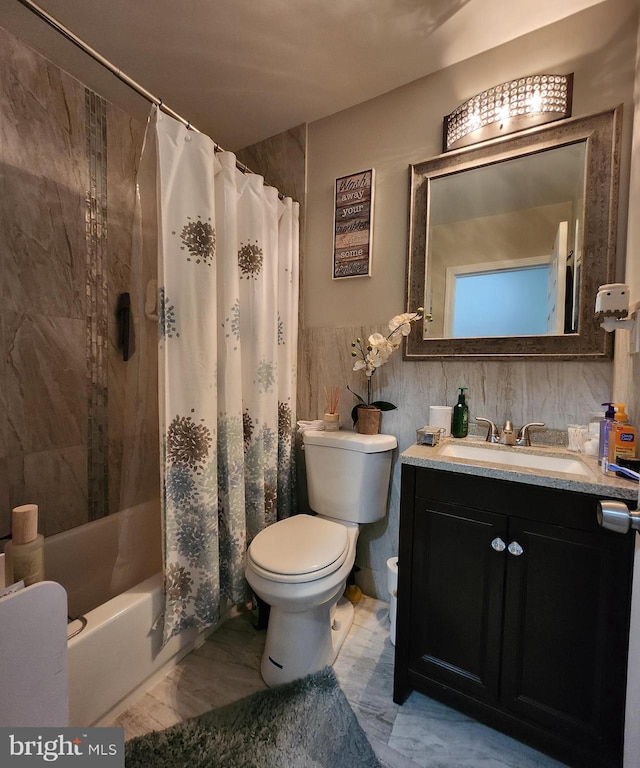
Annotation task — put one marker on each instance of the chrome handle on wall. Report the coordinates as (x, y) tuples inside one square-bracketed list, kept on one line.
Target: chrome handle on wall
[(615, 515), (498, 544), (515, 549)]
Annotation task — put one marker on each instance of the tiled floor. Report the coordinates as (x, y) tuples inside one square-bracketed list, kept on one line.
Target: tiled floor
[(420, 733)]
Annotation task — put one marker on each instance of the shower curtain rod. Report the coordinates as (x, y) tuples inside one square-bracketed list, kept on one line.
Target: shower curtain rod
[(77, 41)]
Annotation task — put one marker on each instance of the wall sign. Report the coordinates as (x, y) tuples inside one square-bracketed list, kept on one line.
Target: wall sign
[(353, 225)]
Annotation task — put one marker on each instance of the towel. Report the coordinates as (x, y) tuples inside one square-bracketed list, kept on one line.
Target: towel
[(303, 426)]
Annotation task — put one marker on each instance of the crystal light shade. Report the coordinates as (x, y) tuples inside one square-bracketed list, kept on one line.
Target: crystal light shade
[(507, 108)]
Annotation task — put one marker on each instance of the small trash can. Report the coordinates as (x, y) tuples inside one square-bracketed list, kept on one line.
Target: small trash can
[(392, 586)]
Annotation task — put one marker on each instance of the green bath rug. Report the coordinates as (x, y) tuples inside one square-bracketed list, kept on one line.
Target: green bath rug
[(307, 723)]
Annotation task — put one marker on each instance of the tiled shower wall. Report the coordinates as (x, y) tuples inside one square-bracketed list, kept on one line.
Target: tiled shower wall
[(67, 169)]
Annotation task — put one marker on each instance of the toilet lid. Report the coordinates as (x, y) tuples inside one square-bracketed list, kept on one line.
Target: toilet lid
[(299, 544)]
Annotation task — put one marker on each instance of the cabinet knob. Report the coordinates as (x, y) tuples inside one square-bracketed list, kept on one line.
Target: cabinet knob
[(498, 545), (515, 549)]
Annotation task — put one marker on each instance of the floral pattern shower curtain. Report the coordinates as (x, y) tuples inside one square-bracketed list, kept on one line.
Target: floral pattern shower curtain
[(228, 287)]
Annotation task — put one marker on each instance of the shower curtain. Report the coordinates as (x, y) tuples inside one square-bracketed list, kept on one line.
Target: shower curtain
[(228, 306)]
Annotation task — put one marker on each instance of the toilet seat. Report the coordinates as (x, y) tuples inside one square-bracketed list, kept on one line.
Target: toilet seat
[(299, 549)]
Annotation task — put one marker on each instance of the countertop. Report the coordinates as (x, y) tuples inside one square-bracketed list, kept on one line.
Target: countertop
[(593, 481)]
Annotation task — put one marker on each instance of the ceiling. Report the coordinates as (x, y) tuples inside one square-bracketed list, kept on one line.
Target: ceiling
[(551, 177), (243, 70)]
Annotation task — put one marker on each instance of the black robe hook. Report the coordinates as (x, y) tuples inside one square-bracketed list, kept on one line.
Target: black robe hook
[(126, 339)]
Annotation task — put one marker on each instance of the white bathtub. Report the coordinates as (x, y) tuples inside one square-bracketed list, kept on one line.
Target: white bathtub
[(111, 569)]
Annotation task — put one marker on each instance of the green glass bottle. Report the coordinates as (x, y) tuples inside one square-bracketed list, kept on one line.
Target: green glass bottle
[(460, 426)]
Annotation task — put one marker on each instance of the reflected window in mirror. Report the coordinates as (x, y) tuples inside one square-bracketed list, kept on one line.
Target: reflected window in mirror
[(517, 297)]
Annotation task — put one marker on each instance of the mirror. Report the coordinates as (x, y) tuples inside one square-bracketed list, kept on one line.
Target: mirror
[(509, 241)]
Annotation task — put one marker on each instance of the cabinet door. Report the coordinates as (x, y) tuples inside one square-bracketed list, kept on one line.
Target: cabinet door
[(456, 597), (565, 630)]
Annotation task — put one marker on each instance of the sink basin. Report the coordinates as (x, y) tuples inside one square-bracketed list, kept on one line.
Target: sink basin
[(515, 458)]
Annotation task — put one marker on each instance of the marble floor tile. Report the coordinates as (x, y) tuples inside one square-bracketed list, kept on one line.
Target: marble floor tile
[(431, 734), (420, 733)]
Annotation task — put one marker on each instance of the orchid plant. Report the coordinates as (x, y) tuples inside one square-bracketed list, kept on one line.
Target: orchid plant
[(377, 352)]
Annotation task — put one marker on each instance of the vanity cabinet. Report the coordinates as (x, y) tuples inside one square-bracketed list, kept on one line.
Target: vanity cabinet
[(513, 606)]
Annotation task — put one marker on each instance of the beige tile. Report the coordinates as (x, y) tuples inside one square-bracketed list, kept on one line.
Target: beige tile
[(281, 160), (5, 514), (44, 164), (56, 480), (46, 382), (5, 505), (32, 91), (211, 676), (44, 250), (43, 286)]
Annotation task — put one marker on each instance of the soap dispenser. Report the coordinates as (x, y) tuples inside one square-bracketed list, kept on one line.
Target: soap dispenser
[(460, 425), (24, 553), (605, 427), (622, 438)]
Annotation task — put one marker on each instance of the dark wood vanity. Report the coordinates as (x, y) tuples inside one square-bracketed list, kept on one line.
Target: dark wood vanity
[(513, 607)]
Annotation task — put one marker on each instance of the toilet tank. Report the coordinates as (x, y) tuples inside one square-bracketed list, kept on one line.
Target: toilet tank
[(348, 474)]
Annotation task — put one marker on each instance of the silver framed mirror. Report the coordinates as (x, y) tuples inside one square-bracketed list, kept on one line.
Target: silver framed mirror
[(509, 241)]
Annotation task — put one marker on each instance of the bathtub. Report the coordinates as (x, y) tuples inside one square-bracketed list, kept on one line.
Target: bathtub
[(111, 569)]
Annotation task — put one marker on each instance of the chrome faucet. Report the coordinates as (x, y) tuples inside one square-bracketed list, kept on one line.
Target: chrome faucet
[(493, 436), (508, 436), (523, 435)]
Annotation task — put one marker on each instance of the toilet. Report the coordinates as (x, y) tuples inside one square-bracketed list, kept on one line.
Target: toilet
[(300, 565)]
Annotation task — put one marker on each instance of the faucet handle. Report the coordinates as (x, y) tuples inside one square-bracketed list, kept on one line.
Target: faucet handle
[(492, 435), (523, 434)]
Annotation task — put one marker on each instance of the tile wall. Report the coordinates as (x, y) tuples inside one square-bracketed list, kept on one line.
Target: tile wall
[(556, 393), (67, 168)]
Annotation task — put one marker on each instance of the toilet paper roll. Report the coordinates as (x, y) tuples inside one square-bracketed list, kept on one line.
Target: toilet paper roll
[(392, 575), (440, 416)]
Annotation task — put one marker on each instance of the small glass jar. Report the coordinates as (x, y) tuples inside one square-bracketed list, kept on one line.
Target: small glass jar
[(594, 424), (331, 422)]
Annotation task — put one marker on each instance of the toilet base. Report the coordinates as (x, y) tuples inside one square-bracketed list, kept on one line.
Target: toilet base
[(300, 643)]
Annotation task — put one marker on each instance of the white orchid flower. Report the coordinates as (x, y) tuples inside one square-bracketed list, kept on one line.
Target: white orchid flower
[(382, 346), (368, 364), (379, 349), (402, 323)]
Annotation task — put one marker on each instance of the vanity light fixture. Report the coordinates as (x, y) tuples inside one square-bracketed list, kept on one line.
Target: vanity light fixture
[(507, 108)]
